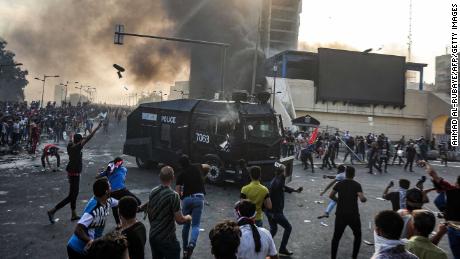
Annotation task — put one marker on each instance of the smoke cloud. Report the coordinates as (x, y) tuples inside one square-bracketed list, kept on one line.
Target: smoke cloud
[(228, 21), (313, 47), (74, 38)]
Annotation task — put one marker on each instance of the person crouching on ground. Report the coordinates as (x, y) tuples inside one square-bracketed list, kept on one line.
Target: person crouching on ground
[(50, 150)]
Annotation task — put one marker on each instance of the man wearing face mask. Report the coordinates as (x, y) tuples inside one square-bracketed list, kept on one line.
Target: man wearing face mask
[(256, 242), (388, 228), (74, 168)]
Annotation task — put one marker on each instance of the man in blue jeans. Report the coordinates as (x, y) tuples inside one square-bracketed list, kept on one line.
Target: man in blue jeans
[(339, 177), (275, 215), (190, 186)]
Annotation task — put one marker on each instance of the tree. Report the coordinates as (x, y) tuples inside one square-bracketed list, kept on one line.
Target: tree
[(12, 78)]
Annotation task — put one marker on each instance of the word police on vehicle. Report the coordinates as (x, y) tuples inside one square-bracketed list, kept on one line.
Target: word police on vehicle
[(168, 119)]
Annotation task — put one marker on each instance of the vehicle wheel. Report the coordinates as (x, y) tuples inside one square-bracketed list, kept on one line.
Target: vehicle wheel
[(216, 173), (145, 164)]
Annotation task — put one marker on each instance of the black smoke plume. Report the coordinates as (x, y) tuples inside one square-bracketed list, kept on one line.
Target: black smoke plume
[(74, 38)]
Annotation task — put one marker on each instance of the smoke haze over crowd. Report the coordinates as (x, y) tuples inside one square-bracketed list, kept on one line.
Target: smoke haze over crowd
[(74, 39)]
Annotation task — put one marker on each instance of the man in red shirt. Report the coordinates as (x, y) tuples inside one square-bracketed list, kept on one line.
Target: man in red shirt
[(50, 150)]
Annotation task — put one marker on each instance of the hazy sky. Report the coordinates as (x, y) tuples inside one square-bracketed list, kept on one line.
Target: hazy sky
[(360, 24)]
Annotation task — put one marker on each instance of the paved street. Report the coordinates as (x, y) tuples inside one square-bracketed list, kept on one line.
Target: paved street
[(26, 194)]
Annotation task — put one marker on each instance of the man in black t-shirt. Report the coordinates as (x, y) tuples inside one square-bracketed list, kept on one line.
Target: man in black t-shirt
[(74, 168), (347, 212), (397, 199), (133, 230), (190, 186)]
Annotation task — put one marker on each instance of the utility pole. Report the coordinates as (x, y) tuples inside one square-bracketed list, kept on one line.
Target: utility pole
[(79, 97), (275, 71), (181, 92), (66, 85), (409, 36), (120, 33), (256, 51)]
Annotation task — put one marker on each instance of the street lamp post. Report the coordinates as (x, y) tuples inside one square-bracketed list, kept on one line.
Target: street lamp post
[(65, 93), (160, 93), (90, 91), (79, 97), (65, 97), (120, 33), (43, 87), (275, 70), (62, 87)]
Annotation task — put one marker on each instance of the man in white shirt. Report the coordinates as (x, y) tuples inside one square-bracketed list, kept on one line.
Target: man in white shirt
[(255, 242)]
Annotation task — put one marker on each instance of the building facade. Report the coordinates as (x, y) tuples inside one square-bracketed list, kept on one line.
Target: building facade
[(280, 25), (59, 94), (442, 78)]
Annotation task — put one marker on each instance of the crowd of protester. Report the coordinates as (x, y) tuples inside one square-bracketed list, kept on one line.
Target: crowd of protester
[(404, 232), (23, 125), (375, 150)]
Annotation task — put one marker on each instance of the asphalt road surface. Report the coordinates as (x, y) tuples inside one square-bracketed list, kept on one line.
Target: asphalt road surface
[(26, 194)]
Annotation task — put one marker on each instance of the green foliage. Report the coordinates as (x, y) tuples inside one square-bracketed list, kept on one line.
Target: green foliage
[(12, 78)]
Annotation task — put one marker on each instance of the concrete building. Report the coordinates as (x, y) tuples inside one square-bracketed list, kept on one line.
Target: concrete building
[(424, 113), (59, 94), (150, 97), (280, 25), (180, 90), (75, 98), (442, 78)]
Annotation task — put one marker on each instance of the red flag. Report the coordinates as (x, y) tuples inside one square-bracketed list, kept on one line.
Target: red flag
[(313, 137)]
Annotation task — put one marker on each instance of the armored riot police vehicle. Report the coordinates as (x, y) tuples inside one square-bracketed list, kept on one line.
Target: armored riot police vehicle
[(218, 133)]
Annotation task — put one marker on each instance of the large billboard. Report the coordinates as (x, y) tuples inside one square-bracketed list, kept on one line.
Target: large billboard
[(361, 78)]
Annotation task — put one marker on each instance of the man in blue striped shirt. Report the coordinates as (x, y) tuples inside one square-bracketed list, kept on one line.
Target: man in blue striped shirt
[(92, 223)]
